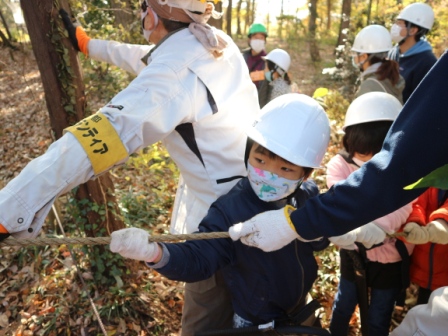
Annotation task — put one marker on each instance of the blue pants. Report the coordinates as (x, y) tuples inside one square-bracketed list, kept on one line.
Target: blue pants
[(382, 302)]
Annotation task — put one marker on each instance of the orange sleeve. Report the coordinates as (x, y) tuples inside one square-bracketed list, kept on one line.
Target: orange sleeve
[(83, 40), (440, 213), (2, 229), (418, 213)]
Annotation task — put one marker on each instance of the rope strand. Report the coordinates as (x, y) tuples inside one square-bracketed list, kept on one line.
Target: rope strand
[(10, 241)]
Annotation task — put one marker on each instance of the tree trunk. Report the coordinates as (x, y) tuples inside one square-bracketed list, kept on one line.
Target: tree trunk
[(345, 22), (238, 18), (312, 43), (329, 7), (369, 12), (229, 19), (247, 21), (216, 22), (64, 94), (6, 26)]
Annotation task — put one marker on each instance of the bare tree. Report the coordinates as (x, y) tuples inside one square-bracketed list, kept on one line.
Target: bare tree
[(229, 19), (345, 21), (5, 24), (312, 43), (329, 8), (66, 108), (369, 12), (238, 17)]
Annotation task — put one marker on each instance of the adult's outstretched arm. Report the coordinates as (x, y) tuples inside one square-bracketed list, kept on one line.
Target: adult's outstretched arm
[(415, 145)]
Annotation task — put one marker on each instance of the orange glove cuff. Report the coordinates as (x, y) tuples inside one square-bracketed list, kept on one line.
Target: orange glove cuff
[(2, 229), (83, 40)]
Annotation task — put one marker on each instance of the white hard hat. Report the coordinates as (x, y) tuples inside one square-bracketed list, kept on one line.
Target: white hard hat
[(191, 5), (280, 58), (372, 39), (295, 127), (372, 106), (419, 14)]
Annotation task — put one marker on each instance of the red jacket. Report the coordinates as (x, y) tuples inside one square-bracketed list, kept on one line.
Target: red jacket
[(429, 268)]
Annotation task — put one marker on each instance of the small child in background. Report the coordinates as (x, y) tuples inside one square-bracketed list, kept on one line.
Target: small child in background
[(285, 144), (427, 228), (277, 81), (367, 122)]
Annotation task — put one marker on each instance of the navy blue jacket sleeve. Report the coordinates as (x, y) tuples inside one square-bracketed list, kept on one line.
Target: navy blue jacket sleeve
[(415, 145), (197, 260)]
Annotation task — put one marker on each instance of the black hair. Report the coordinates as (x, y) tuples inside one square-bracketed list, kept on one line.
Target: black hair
[(365, 138), (421, 31), (171, 26), (262, 150), (273, 67)]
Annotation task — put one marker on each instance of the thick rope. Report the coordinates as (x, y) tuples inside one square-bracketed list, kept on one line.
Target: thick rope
[(10, 241)]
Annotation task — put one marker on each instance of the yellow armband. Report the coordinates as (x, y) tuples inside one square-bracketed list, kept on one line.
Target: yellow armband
[(100, 141)]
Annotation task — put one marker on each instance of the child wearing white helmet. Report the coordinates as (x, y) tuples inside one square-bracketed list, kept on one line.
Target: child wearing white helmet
[(413, 52), (367, 122), (277, 81), (378, 73), (287, 142)]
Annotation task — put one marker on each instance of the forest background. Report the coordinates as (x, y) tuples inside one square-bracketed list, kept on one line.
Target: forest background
[(86, 290)]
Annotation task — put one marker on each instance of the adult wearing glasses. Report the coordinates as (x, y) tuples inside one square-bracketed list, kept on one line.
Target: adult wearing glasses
[(193, 92)]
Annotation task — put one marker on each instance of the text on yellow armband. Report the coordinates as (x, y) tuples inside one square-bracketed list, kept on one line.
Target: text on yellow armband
[(100, 141)]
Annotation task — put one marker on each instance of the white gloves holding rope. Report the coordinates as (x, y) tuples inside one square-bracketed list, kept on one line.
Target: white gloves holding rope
[(368, 235), (435, 232), (271, 230), (133, 243)]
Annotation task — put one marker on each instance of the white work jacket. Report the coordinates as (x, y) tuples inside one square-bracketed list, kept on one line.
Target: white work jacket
[(197, 105)]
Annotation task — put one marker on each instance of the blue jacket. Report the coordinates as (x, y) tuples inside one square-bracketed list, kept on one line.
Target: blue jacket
[(416, 145), (414, 65), (264, 286)]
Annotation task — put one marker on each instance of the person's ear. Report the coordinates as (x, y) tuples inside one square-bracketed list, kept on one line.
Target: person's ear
[(413, 31)]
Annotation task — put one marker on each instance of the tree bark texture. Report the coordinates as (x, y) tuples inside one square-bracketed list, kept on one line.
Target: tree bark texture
[(229, 19), (312, 43), (345, 22)]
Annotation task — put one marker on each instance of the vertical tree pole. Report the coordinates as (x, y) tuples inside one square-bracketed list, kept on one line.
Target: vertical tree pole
[(312, 43), (65, 98)]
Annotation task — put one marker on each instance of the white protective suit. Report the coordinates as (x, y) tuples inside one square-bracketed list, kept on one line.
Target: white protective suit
[(196, 104), (429, 319)]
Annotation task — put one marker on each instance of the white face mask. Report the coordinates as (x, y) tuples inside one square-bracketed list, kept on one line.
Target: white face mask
[(147, 33), (395, 33), (257, 45), (270, 187)]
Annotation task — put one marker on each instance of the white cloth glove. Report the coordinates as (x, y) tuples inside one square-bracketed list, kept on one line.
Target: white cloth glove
[(370, 234), (346, 241), (133, 243), (416, 234), (438, 231), (269, 231)]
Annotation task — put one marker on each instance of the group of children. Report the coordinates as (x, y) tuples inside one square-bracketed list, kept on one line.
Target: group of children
[(285, 144)]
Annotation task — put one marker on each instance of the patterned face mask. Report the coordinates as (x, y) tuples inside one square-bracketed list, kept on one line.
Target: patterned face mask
[(270, 187)]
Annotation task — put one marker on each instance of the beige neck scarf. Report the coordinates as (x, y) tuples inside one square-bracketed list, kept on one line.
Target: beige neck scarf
[(198, 24)]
